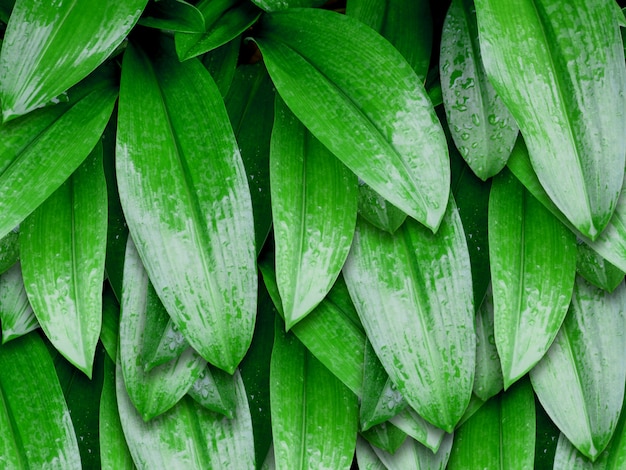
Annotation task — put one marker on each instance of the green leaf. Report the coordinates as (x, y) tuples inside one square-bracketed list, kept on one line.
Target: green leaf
[(188, 436), (216, 391), (314, 415), (224, 20), (185, 196), (16, 314), (173, 15), (565, 86), (385, 436), (407, 24), (156, 391), (533, 265), (413, 293), (580, 381), (35, 424), (341, 79), (377, 211), (419, 429), (314, 205), (501, 434), (110, 331), (366, 457), (40, 151), (275, 5), (411, 454), (595, 269), (164, 341), (63, 246), (482, 127), (9, 250), (66, 42), (222, 64)]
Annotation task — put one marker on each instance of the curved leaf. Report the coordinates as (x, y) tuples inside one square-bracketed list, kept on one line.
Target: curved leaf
[(185, 196), (216, 391), (385, 436), (66, 42), (580, 381), (419, 429), (596, 270), (412, 454), (274, 5), (361, 99), (173, 15), (377, 211), (565, 87), (314, 204), (413, 293), (16, 314), (222, 65), (63, 248), (482, 127), (533, 265), (9, 249)]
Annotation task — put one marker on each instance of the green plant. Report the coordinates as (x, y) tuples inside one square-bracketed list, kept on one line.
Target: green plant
[(415, 305)]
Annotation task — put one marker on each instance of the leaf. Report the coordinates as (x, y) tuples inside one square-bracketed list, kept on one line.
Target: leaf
[(66, 42), (482, 127), (224, 20), (154, 392), (342, 79), (377, 211), (188, 436), (407, 24), (164, 342), (584, 369), (275, 5), (191, 221), (222, 64), (414, 455), (385, 436), (419, 429), (63, 246), (413, 293), (35, 423), (314, 205), (216, 391), (173, 15), (596, 270), (366, 457), (16, 314), (564, 86), (40, 151), (110, 332), (9, 250), (500, 435), (322, 431), (533, 265)]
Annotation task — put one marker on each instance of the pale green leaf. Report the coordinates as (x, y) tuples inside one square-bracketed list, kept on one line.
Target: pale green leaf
[(16, 314), (185, 196), (413, 455), (358, 96), (419, 429), (385, 436), (366, 457), (216, 391), (561, 73)]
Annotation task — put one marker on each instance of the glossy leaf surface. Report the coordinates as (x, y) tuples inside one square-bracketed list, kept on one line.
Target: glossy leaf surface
[(9, 250), (377, 211), (337, 77), (419, 429), (16, 314), (192, 223), (174, 15), (385, 436), (63, 248), (580, 381), (595, 269), (413, 293), (216, 391), (274, 5), (66, 42), (412, 454), (533, 265), (565, 87)]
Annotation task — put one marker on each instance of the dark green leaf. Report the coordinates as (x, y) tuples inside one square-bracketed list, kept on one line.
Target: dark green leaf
[(173, 15), (216, 391), (385, 436), (596, 269), (274, 5), (9, 250), (222, 64), (377, 211), (16, 315)]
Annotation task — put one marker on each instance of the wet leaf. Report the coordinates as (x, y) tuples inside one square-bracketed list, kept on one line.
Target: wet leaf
[(385, 436), (216, 391), (16, 314), (9, 250), (173, 15), (596, 269), (377, 211), (419, 429), (274, 5), (412, 454)]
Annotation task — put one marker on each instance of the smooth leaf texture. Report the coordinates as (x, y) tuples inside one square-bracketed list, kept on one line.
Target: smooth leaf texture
[(533, 266), (40, 151), (63, 249), (314, 206), (419, 429), (109, 333), (222, 64), (173, 15), (188, 436), (377, 211), (167, 344), (35, 424), (366, 457), (216, 391), (274, 5), (9, 250), (185, 196), (482, 127), (16, 314), (314, 415), (361, 99), (385, 436), (565, 87), (501, 434), (156, 391), (414, 455), (580, 381), (413, 293), (66, 42), (596, 269)]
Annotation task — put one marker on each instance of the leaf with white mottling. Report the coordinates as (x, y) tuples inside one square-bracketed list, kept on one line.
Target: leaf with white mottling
[(16, 314), (412, 454), (9, 250), (419, 429), (216, 391), (385, 436)]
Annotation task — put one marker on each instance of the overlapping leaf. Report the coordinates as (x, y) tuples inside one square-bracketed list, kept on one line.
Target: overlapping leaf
[(174, 15), (565, 86), (16, 314), (362, 100), (185, 196), (9, 250)]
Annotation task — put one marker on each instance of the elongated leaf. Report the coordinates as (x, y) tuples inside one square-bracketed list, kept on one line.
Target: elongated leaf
[(216, 391), (377, 211), (167, 343), (9, 250), (16, 314), (413, 293), (482, 127), (183, 188), (66, 42), (414, 455), (63, 246), (565, 87), (385, 436), (188, 436), (366, 457), (596, 270), (174, 15), (419, 429), (360, 98), (275, 5), (110, 331), (584, 368), (40, 151), (156, 391), (533, 265), (35, 424), (224, 20), (314, 415), (500, 435), (314, 205), (222, 64)]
